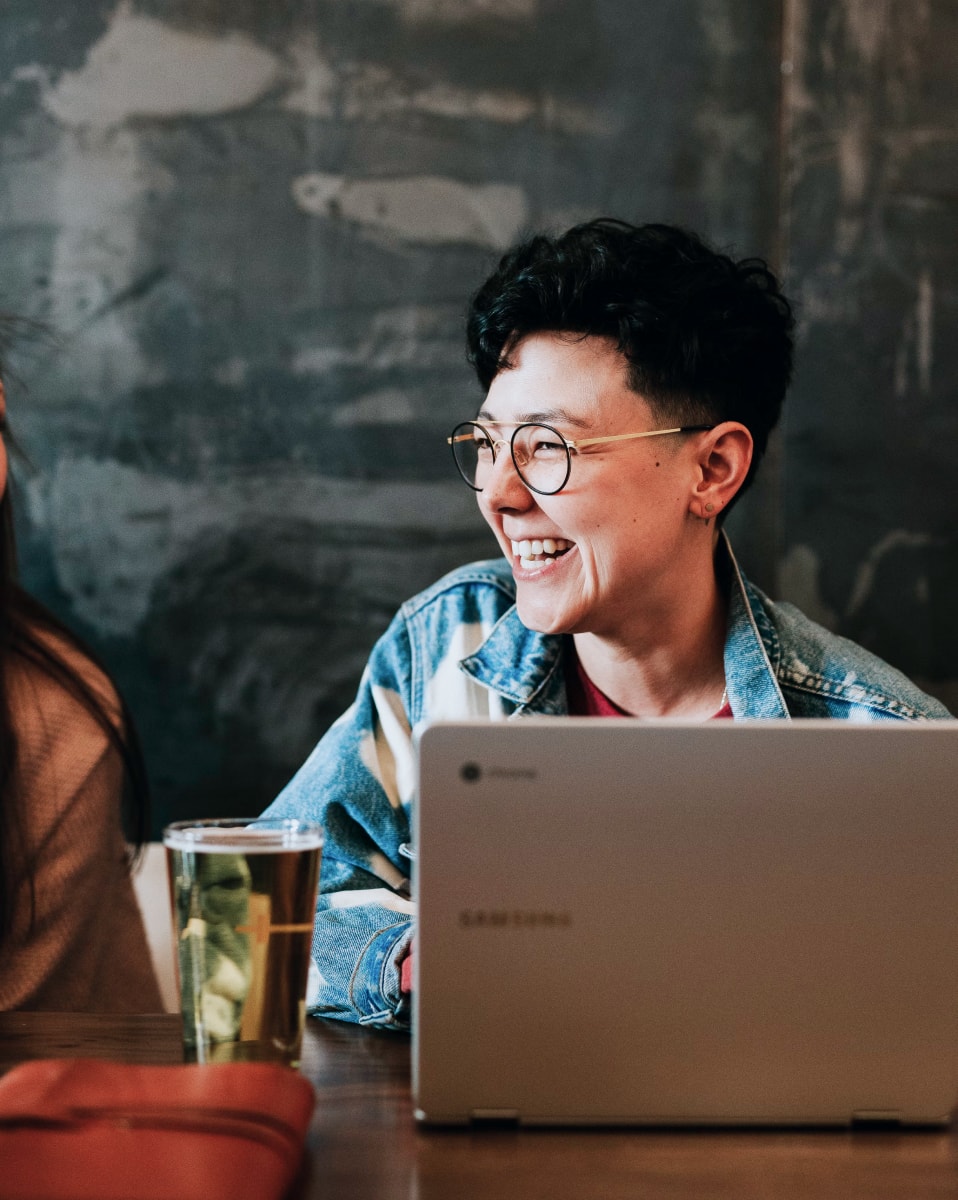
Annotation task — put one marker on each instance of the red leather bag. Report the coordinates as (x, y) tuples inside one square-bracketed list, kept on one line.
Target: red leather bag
[(84, 1129)]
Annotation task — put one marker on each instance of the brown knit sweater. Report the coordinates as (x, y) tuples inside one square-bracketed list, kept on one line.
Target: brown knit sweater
[(86, 949)]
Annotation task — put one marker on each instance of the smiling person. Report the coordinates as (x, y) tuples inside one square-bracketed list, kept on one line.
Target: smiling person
[(632, 376)]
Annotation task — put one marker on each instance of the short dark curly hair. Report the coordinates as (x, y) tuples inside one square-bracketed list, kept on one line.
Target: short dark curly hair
[(707, 338)]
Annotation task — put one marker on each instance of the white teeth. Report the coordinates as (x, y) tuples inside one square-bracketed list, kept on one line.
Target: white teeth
[(536, 552)]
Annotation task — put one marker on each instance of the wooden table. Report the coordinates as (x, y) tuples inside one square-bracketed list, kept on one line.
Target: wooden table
[(363, 1144)]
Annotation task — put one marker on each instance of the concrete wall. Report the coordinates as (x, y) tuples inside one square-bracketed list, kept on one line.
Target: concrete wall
[(254, 228), (871, 222)]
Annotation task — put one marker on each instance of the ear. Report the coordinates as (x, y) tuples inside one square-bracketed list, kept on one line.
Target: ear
[(725, 455)]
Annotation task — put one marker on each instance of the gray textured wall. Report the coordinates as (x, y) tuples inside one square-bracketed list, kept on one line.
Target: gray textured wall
[(254, 228), (871, 220)]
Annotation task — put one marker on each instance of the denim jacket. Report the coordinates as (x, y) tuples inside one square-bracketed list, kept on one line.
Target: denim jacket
[(459, 650)]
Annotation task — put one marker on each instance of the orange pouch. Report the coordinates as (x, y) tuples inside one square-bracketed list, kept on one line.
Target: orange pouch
[(83, 1129)]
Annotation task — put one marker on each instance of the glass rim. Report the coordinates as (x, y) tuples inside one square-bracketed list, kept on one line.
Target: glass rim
[(243, 834), (538, 488)]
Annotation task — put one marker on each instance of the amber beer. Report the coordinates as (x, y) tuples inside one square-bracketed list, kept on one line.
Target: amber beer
[(244, 896)]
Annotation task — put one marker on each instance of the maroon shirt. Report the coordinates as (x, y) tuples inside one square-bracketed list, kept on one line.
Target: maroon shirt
[(585, 699)]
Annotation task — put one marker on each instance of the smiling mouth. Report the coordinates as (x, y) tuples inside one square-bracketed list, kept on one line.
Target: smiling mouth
[(536, 553)]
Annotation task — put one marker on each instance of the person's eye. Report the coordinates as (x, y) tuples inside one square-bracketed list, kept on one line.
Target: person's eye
[(545, 446), (483, 446)]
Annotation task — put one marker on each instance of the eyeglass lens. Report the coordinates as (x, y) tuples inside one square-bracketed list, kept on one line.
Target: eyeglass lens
[(540, 455)]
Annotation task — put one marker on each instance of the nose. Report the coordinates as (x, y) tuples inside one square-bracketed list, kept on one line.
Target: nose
[(503, 489)]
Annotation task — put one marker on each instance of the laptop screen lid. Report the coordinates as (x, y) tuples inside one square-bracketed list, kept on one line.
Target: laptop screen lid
[(626, 922)]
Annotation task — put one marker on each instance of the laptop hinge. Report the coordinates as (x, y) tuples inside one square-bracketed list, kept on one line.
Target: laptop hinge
[(494, 1116), (876, 1118)]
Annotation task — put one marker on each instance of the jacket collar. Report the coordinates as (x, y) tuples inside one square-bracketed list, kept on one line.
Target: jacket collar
[(522, 666), (752, 650), (525, 668)]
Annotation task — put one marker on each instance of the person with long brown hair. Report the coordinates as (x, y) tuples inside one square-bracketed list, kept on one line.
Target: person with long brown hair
[(73, 808)]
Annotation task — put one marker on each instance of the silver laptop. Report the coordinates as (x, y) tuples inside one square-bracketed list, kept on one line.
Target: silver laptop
[(625, 922)]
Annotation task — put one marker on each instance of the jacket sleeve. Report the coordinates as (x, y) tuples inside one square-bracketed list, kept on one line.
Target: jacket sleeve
[(358, 783)]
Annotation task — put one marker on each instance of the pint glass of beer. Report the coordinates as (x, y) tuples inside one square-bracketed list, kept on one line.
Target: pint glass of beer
[(244, 895)]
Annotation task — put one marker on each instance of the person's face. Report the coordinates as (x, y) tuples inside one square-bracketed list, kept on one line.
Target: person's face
[(618, 524)]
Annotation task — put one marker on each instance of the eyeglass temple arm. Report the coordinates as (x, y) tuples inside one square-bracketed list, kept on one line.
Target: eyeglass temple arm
[(623, 437), (574, 445)]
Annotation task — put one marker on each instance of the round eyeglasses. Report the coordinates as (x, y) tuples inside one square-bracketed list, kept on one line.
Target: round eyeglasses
[(541, 455)]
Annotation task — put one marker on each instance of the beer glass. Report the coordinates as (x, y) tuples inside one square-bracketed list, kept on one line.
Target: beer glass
[(243, 894)]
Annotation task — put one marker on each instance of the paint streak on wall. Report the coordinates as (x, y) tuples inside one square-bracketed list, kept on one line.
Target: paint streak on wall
[(324, 85), (143, 68), (386, 406), (424, 208), (461, 12), (915, 348), (798, 578), (406, 335), (91, 199), (117, 530), (924, 320), (895, 540)]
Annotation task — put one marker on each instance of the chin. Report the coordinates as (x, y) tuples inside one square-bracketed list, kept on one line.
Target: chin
[(540, 622)]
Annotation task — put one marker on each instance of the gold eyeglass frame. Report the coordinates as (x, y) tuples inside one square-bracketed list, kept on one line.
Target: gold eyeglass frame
[(571, 446)]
